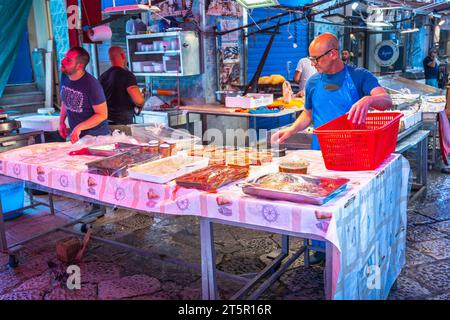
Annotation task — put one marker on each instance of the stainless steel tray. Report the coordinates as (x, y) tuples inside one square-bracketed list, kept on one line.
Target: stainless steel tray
[(298, 188), (117, 165), (9, 126), (110, 149)]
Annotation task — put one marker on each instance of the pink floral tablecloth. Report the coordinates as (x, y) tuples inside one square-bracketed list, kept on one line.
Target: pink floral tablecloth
[(366, 224)]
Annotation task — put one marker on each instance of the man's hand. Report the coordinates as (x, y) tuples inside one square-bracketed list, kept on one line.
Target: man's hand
[(75, 135), (63, 130), (281, 136), (359, 110), (301, 93)]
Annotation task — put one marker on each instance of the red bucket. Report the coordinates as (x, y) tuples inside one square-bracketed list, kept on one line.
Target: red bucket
[(349, 147)]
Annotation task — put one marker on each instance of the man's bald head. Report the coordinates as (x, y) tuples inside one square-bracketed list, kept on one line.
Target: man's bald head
[(324, 42), (325, 48), (117, 56)]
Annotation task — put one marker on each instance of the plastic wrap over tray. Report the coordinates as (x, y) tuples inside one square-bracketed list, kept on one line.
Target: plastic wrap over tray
[(213, 177), (156, 131), (295, 187)]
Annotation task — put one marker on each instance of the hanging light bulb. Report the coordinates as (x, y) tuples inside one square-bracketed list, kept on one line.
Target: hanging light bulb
[(294, 45), (441, 22), (355, 5)]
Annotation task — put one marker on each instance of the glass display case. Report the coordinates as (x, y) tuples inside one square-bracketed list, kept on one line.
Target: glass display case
[(165, 54), (398, 84)]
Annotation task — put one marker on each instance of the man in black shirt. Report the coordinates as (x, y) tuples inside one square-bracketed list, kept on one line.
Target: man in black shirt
[(121, 90), (431, 68)]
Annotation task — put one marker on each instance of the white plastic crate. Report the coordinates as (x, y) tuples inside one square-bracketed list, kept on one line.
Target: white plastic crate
[(251, 100), (40, 122)]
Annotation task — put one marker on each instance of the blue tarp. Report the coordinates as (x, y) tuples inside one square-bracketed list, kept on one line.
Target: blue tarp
[(13, 17)]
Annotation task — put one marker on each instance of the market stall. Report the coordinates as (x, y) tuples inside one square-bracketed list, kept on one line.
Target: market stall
[(352, 195), (412, 97), (361, 215)]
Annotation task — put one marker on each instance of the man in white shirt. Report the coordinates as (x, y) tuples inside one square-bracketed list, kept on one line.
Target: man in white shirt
[(303, 72)]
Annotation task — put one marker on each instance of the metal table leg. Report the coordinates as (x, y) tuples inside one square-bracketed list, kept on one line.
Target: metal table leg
[(51, 204), (274, 269), (3, 242), (433, 130), (424, 152), (187, 121), (329, 270), (30, 194), (285, 244), (306, 253), (204, 119), (209, 284), (419, 170), (434, 143), (42, 137)]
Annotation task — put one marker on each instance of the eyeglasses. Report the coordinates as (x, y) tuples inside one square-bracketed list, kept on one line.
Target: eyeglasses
[(315, 60)]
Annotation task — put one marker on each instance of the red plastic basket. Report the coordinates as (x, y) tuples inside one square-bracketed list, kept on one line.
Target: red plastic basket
[(349, 147)]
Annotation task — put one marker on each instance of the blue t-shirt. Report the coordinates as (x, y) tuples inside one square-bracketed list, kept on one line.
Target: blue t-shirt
[(363, 79), (79, 96)]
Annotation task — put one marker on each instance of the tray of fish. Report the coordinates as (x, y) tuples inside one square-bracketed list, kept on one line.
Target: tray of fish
[(117, 165), (298, 188), (213, 177)]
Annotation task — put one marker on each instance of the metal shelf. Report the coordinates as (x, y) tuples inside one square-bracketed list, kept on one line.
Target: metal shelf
[(188, 54), (155, 35), (161, 74), (157, 52), (409, 131)]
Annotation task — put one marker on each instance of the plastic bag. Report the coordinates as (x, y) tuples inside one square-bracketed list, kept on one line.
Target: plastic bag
[(115, 137), (157, 131), (153, 103), (287, 92)]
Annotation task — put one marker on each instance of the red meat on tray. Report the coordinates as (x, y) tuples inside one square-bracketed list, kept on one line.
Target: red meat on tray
[(213, 177)]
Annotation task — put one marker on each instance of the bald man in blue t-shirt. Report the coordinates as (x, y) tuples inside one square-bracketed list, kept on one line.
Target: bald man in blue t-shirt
[(336, 89)]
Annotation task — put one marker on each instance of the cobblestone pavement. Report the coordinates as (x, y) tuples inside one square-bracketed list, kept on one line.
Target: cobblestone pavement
[(109, 272)]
